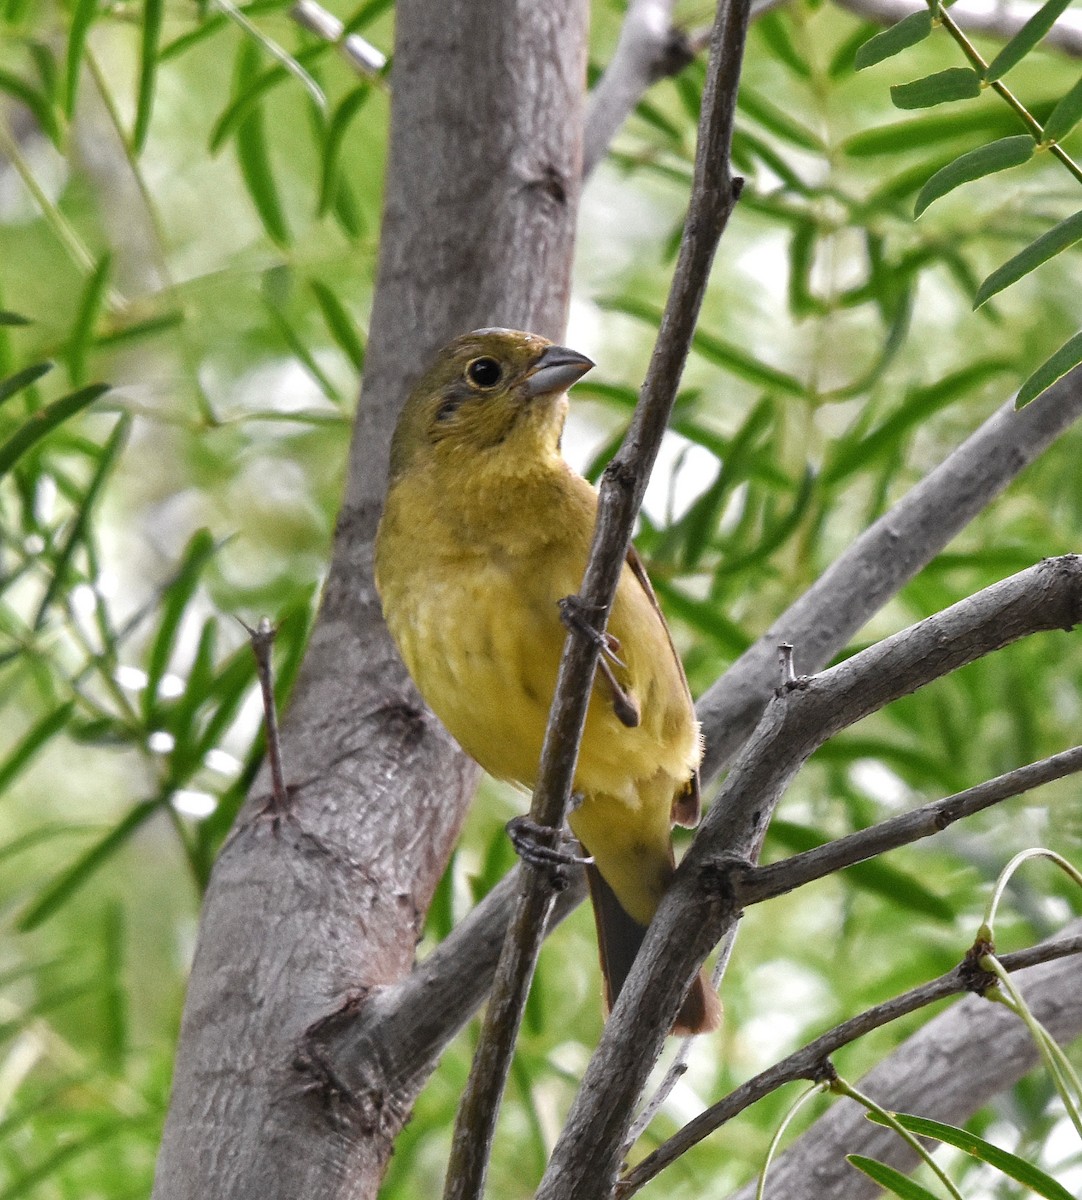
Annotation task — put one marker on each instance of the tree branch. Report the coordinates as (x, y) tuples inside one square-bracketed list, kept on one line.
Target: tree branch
[(882, 559), (713, 195), (944, 1071), (811, 1061), (764, 883), (996, 20), (700, 907)]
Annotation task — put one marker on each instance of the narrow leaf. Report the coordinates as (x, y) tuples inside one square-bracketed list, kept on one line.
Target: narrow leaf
[(341, 324), (908, 32), (82, 17), (83, 330), (42, 733), (1047, 246), (178, 596), (955, 83), (1010, 1164), (1065, 358), (241, 106), (45, 421), (80, 871), (23, 379), (33, 99), (107, 460), (254, 158), (1065, 116), (153, 10), (890, 1179), (932, 129), (985, 160), (1025, 39), (332, 144)]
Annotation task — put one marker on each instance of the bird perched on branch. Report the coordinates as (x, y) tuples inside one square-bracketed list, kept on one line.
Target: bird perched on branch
[(486, 528)]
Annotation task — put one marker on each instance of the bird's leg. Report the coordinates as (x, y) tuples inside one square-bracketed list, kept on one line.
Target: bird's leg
[(573, 613), (532, 843)]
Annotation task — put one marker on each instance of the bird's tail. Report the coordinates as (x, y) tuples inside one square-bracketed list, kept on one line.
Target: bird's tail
[(619, 937)]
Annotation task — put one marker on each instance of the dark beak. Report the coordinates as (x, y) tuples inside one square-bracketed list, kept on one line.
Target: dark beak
[(555, 371)]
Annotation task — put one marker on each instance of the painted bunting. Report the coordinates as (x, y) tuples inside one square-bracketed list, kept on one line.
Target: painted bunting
[(485, 529)]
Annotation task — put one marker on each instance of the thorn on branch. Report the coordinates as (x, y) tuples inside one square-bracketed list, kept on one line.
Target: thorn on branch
[(262, 638)]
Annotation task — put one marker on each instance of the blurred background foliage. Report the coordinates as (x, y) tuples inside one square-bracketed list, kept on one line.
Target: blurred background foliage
[(182, 220)]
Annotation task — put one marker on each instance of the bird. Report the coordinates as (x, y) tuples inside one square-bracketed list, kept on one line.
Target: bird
[(485, 529)]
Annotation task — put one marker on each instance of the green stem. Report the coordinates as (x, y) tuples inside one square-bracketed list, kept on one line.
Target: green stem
[(1000, 88)]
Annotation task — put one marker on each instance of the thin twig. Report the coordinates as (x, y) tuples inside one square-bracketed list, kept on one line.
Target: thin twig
[(714, 193), (361, 55), (262, 639), (995, 20), (812, 1060), (678, 1067), (764, 883)]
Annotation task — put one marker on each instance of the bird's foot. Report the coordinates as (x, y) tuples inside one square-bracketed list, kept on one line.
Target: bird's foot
[(573, 613), (533, 844)]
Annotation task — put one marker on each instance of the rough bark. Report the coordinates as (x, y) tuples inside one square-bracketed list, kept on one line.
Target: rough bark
[(316, 914)]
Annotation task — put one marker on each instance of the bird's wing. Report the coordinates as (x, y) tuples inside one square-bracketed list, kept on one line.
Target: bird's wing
[(686, 805)]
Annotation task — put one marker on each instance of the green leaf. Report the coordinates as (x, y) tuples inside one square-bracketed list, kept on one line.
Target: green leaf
[(341, 324), (107, 460), (254, 157), (1068, 356), (82, 17), (33, 741), (714, 349), (955, 83), (12, 318), (985, 160), (178, 596), (83, 330), (243, 104), (153, 11), (1065, 116), (1047, 246), (69, 881), (774, 29), (1025, 39), (45, 421), (23, 379), (908, 32), (37, 103), (1010, 1164), (333, 141), (890, 1179), (141, 329), (855, 454), (777, 121), (931, 130)]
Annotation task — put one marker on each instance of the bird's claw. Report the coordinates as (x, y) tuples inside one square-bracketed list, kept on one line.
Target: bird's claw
[(531, 843), (573, 613)]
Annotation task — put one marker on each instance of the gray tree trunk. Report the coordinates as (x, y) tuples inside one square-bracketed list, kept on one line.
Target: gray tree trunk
[(481, 200)]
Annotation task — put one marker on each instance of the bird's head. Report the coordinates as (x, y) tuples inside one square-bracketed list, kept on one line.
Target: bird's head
[(488, 389)]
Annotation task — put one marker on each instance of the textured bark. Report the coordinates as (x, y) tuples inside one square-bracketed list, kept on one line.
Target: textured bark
[(314, 916)]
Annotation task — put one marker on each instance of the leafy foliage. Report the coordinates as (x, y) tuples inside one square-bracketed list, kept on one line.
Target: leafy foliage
[(215, 265)]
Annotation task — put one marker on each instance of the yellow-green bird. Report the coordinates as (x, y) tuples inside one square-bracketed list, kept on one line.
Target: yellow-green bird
[(485, 529)]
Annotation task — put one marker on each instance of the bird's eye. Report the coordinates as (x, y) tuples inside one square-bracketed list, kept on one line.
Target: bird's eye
[(484, 372)]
